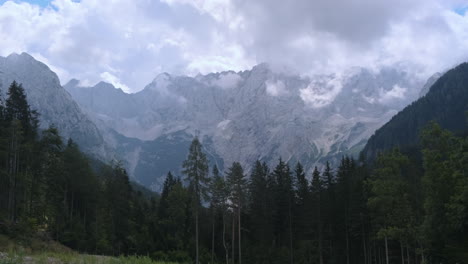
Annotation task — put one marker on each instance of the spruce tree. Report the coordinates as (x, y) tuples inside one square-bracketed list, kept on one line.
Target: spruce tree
[(316, 192), (195, 167), (219, 196), (285, 199), (237, 182)]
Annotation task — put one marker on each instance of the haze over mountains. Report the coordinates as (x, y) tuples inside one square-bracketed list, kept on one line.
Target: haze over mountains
[(239, 116)]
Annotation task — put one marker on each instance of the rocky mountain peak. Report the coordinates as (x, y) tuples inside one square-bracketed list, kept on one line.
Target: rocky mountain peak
[(52, 101)]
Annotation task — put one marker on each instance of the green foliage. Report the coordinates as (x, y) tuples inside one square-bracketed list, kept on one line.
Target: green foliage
[(409, 205), (446, 103)]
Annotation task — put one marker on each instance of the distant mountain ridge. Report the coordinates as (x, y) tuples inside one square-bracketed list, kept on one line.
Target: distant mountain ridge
[(239, 116), (244, 116), (446, 103)]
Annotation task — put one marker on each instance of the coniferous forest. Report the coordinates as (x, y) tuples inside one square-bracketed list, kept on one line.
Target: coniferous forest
[(404, 207)]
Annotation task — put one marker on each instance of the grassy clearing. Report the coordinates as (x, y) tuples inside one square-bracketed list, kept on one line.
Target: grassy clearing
[(36, 251), (71, 258)]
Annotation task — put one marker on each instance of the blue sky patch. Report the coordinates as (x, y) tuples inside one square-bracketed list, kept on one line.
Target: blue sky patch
[(41, 3), (461, 10)]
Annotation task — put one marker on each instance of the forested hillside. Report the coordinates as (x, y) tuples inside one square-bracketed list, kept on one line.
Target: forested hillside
[(403, 210), (446, 103)]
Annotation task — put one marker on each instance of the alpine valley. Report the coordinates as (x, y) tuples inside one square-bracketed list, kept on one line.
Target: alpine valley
[(257, 114)]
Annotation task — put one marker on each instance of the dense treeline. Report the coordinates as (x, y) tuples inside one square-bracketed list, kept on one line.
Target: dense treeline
[(403, 208), (446, 103)]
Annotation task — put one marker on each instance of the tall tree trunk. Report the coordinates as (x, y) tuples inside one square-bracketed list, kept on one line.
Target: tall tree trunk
[(12, 175), (347, 239), (224, 238), (320, 237), (212, 236), (364, 248), (196, 233), (72, 205), (380, 256), (15, 186), (423, 258), (239, 235), (386, 250), (407, 253), (291, 250), (402, 253), (31, 193), (233, 237)]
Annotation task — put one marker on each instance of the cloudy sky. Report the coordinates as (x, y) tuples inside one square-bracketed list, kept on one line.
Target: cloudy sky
[(128, 42)]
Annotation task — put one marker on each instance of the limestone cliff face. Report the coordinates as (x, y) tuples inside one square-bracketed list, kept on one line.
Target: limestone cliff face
[(52, 101), (244, 116)]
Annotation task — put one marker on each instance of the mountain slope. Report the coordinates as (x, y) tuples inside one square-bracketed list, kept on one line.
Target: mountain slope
[(445, 103), (55, 105), (244, 116)]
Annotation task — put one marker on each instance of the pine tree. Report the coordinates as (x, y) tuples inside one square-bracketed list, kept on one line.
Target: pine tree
[(169, 183), (258, 202), (302, 211), (237, 182), (195, 167), (389, 201), (163, 208), (219, 195), (284, 202), (329, 205), (302, 185), (316, 192), (21, 133)]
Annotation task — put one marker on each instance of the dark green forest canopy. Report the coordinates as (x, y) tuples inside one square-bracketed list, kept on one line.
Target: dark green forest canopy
[(403, 207), (446, 103)]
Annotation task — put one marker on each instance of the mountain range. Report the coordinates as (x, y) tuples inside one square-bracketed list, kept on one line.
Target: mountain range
[(239, 116)]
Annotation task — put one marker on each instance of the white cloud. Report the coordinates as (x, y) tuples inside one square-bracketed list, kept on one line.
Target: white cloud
[(321, 93), (395, 93), (112, 79), (275, 88), (135, 40), (227, 80)]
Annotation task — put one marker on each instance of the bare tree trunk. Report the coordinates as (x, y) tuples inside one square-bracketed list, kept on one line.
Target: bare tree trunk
[(320, 241), (31, 194), (12, 175), (347, 239), (212, 236), (291, 250), (239, 231), (380, 256), (423, 258), (364, 247), (407, 253), (16, 170), (72, 205), (402, 253), (386, 250), (224, 238), (196, 234), (233, 236)]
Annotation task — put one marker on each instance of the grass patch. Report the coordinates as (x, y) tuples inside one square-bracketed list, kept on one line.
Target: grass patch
[(37, 251), (72, 258)]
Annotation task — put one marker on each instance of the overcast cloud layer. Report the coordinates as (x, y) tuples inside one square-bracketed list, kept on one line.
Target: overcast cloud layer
[(127, 43)]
